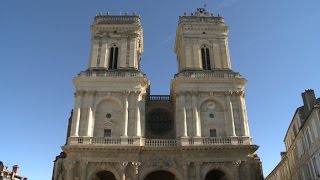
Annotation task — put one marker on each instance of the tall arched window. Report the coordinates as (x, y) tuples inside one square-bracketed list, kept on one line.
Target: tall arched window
[(113, 57), (205, 57)]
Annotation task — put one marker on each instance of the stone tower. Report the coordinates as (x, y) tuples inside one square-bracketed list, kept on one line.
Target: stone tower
[(119, 131)]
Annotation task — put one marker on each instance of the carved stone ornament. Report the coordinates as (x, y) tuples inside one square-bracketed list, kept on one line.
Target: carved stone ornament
[(136, 166), (211, 105), (161, 163)]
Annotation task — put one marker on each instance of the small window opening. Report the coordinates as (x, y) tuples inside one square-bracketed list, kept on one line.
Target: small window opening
[(113, 57), (213, 133), (205, 57), (107, 133)]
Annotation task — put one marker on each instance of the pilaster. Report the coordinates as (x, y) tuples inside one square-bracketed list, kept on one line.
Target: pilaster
[(136, 170), (125, 113), (123, 167), (69, 166), (90, 118), (183, 114), (185, 167), (76, 114), (230, 120), (138, 119), (198, 170), (196, 118), (84, 165)]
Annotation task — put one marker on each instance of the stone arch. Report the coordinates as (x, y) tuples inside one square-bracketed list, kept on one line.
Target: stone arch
[(102, 168), (113, 55), (108, 97), (223, 104), (220, 168), (177, 175), (107, 117), (213, 114)]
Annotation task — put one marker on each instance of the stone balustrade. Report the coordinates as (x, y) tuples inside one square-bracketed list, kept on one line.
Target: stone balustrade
[(123, 141), (106, 18), (110, 74), (159, 98), (160, 142), (202, 74)]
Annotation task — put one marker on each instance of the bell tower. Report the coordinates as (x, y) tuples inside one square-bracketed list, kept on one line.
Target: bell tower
[(118, 131), (209, 95), (116, 42), (110, 94), (202, 42)]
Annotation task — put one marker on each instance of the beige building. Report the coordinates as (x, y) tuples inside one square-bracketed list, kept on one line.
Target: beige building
[(6, 174), (301, 161), (119, 131)]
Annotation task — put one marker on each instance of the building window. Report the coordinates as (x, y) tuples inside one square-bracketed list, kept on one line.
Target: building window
[(205, 57), (107, 133), (113, 57), (213, 133)]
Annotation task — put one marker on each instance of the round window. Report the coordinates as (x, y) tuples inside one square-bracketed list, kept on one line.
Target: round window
[(108, 115), (211, 115), (159, 122)]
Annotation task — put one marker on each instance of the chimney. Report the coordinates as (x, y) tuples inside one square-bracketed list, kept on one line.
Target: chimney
[(283, 154), (309, 100), (15, 169)]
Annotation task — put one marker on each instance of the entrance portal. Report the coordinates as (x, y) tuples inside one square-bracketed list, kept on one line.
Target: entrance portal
[(216, 175), (160, 175), (104, 175)]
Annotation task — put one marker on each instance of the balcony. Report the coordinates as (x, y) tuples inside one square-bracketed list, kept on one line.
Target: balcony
[(208, 75), (108, 141), (159, 98), (105, 73)]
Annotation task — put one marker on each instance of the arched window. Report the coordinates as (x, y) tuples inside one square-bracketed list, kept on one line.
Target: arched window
[(205, 57), (113, 57)]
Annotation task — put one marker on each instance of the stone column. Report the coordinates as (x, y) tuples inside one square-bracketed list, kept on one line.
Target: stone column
[(224, 53), (237, 169), (136, 170), (142, 115), (231, 130), (244, 122), (196, 118), (198, 170), (185, 167), (123, 167), (69, 166), (125, 113), (84, 170), (90, 114), (76, 114), (184, 115), (242, 114), (138, 120)]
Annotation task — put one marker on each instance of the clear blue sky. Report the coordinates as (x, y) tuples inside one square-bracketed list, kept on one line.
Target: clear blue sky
[(44, 44)]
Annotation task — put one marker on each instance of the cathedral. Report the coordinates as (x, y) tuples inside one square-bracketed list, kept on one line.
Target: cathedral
[(119, 131)]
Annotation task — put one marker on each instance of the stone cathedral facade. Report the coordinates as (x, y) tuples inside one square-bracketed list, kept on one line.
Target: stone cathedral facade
[(118, 131)]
